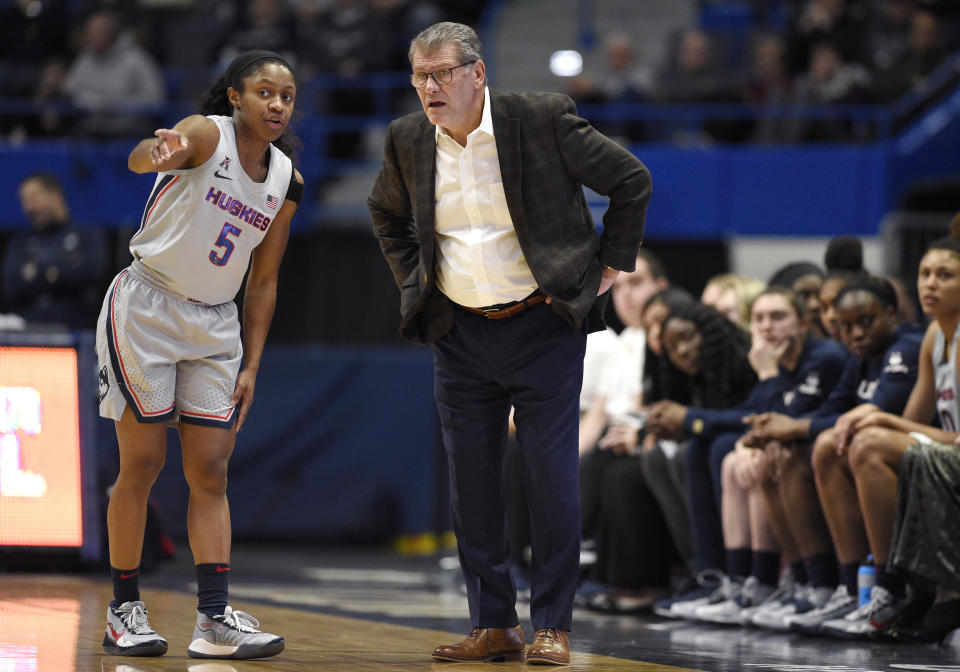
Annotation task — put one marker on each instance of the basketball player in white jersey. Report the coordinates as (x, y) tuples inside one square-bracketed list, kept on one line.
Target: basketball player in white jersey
[(863, 480), (169, 340)]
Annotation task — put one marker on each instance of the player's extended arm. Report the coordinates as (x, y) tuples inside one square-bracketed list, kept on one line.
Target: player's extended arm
[(191, 142)]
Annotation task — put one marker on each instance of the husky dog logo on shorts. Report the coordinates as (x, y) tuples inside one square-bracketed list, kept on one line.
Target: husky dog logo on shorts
[(104, 383)]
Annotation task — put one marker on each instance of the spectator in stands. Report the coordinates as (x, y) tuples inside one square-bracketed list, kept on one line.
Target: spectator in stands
[(887, 32), (923, 53), (769, 85), (53, 108), (260, 24), (829, 79), (620, 80), (840, 22), (731, 296), (113, 81), (53, 272), (769, 81), (694, 74), (336, 39), (32, 34)]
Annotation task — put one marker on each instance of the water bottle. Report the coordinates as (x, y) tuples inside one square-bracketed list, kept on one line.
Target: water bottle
[(866, 579)]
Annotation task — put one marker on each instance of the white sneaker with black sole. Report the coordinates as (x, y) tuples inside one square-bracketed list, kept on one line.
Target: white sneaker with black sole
[(233, 635), (880, 612), (709, 580), (839, 605), (806, 598), (727, 612), (784, 591), (129, 632), (729, 588)]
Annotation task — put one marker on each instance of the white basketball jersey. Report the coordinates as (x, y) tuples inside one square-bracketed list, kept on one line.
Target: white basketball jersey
[(946, 382), (200, 224)]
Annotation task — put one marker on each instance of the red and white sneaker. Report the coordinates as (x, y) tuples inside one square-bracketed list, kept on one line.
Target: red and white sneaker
[(129, 633), (881, 611)]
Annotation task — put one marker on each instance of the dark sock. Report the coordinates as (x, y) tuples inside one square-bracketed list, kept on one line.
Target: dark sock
[(799, 572), (126, 585), (822, 570), (891, 582), (212, 587), (766, 567), (738, 562), (848, 576)]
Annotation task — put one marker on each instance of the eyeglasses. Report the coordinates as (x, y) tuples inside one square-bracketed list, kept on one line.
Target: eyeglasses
[(441, 76)]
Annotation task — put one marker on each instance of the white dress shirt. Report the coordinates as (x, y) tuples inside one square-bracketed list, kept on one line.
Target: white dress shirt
[(621, 383), (479, 260), (602, 346)]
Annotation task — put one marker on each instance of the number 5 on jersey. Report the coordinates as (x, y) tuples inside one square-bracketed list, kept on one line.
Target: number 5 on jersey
[(225, 243)]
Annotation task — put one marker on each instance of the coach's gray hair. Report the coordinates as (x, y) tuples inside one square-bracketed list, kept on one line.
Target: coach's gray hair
[(463, 38)]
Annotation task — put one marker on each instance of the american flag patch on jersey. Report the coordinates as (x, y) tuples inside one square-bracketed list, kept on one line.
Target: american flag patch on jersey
[(273, 201)]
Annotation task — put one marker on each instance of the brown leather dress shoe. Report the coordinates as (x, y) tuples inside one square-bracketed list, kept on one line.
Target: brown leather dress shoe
[(485, 644), (550, 647)]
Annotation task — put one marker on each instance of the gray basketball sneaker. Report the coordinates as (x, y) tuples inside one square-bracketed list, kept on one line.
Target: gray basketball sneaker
[(129, 633), (233, 635)]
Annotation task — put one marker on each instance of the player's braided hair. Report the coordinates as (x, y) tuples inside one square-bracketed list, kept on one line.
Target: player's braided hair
[(726, 377)]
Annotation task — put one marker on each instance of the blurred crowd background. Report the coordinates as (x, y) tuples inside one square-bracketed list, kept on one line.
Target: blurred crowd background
[(716, 96)]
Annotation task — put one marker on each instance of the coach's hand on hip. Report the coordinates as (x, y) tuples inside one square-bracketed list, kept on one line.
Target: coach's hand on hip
[(606, 280)]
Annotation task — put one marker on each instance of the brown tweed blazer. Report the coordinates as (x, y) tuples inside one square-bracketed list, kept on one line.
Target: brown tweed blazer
[(547, 154)]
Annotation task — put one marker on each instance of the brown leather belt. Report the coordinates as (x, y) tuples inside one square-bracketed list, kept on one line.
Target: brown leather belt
[(506, 310)]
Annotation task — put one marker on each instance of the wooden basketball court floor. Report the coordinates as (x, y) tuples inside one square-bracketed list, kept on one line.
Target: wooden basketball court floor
[(364, 610)]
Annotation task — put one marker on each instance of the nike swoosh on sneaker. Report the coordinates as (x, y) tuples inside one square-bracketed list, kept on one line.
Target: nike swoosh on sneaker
[(216, 173), (116, 635)]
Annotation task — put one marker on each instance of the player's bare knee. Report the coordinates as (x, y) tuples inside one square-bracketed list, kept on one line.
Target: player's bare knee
[(728, 468), (210, 477), (864, 449), (141, 470), (824, 452)]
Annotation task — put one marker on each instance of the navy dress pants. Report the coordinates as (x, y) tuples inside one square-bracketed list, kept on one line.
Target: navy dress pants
[(534, 362)]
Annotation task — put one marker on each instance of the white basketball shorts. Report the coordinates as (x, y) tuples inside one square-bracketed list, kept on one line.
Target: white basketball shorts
[(166, 358)]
